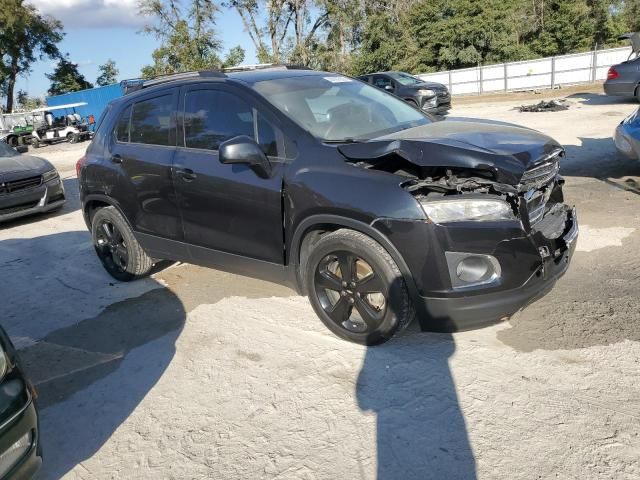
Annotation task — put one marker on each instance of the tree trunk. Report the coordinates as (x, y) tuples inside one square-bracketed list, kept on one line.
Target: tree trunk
[(11, 83)]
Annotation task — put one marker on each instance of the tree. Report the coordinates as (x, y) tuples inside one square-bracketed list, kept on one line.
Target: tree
[(108, 73), (28, 103), (189, 41), (66, 78), (25, 36), (631, 15)]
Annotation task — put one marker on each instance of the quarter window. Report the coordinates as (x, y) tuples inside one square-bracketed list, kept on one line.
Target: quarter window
[(152, 120)]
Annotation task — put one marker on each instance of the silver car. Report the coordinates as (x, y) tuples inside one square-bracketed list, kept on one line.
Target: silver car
[(624, 79)]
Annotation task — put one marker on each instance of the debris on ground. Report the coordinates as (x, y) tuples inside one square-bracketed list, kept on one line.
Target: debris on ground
[(550, 106)]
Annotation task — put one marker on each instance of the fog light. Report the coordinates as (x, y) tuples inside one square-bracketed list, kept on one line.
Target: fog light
[(472, 270), (14, 453)]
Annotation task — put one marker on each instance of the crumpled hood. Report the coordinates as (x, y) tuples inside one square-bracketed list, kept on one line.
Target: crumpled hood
[(21, 166), (505, 150)]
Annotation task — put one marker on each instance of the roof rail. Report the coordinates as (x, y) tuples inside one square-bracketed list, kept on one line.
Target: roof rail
[(135, 84), (265, 66)]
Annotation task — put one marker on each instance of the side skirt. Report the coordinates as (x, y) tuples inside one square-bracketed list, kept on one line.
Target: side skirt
[(165, 249)]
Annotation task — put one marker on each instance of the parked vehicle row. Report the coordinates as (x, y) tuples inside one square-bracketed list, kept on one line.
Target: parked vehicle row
[(342, 190), (43, 126)]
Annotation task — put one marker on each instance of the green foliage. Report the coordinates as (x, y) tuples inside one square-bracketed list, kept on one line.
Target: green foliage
[(66, 78), (25, 36), (630, 15), (188, 41), (108, 73), (28, 103)]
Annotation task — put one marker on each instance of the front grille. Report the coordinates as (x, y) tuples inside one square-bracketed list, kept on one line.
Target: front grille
[(537, 183), (542, 173), (18, 185)]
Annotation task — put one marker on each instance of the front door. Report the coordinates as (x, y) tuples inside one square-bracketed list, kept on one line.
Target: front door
[(227, 208)]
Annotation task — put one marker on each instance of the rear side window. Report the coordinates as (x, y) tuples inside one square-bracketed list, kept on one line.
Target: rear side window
[(122, 127), (152, 121), (211, 117)]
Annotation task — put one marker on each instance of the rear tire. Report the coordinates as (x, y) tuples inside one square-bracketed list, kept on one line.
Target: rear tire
[(116, 246), (356, 288)]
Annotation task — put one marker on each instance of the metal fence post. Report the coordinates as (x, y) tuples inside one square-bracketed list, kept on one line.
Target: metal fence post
[(481, 89), (553, 72), (506, 78), (594, 64), (450, 82)]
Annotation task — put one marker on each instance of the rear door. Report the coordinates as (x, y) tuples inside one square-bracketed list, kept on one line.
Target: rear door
[(143, 146), (228, 208)]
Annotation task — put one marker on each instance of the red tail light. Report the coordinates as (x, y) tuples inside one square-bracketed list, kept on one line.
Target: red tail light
[(80, 163), (612, 74)]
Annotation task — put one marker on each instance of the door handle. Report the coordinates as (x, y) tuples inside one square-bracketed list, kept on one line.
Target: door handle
[(186, 174), (116, 158)]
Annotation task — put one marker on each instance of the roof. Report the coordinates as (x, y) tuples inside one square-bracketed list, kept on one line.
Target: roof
[(247, 74)]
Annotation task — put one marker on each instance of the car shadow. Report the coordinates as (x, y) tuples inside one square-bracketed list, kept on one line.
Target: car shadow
[(598, 158), (420, 428), (588, 98), (121, 353), (92, 370)]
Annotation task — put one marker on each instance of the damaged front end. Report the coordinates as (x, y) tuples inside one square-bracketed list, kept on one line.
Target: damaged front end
[(498, 233)]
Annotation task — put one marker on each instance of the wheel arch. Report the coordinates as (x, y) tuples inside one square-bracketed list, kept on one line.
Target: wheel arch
[(92, 203), (314, 226)]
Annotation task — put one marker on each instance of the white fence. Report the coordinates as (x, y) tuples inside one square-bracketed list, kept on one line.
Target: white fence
[(531, 74)]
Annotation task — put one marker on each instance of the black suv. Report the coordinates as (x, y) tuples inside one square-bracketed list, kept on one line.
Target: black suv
[(430, 97), (332, 186)]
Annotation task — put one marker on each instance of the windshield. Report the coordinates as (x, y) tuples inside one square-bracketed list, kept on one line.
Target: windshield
[(334, 108), (6, 150), (404, 78)]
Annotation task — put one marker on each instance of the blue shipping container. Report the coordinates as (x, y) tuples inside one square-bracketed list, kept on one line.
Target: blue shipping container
[(96, 98)]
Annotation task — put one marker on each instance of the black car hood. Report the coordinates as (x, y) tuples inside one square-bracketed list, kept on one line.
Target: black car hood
[(504, 150), (22, 166)]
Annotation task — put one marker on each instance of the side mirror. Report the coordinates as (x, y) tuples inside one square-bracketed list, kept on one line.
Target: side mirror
[(22, 149), (245, 150), (389, 88)]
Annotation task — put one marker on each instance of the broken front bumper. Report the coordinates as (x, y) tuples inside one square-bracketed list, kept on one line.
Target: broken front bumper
[(529, 264)]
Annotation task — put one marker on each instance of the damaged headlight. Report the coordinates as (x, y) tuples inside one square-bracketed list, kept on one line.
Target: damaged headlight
[(468, 210)]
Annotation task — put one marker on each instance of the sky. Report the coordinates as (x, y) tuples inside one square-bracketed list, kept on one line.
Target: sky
[(97, 30)]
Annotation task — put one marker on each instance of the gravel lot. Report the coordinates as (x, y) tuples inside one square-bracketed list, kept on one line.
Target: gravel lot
[(194, 373)]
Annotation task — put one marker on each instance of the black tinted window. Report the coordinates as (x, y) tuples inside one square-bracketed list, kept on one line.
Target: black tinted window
[(122, 127), (381, 82), (212, 117), (151, 121)]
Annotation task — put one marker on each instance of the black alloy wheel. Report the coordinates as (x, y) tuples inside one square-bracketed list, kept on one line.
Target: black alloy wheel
[(350, 292), (111, 247), (117, 247), (356, 288)]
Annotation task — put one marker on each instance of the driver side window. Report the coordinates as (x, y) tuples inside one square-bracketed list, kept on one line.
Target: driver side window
[(212, 117)]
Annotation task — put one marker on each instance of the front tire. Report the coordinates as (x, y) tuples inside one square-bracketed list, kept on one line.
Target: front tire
[(356, 288), (116, 246)]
